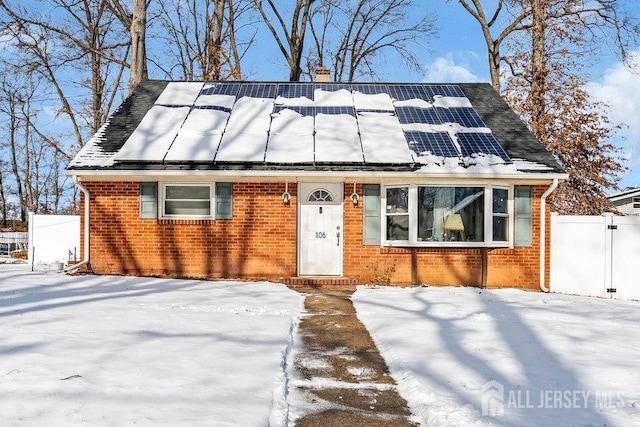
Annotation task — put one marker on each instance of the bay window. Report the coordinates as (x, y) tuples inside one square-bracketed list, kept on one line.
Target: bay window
[(434, 215)]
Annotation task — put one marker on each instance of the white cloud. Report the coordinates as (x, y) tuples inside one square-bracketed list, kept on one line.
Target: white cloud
[(445, 70), (620, 89)]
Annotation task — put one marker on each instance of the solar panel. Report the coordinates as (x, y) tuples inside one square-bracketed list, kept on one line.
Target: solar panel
[(465, 116), (417, 115), (480, 143), (221, 89), (336, 110), (213, 107), (304, 110), (437, 143), (295, 90), (332, 87), (258, 90), (405, 92), (444, 90), (371, 89)]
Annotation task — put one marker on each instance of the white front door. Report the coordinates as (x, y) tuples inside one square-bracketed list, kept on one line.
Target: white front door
[(320, 229)]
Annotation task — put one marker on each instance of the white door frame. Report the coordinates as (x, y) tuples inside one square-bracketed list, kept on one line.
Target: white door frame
[(335, 230)]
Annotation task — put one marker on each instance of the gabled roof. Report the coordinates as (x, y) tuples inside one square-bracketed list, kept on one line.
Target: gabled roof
[(314, 126), (625, 194)]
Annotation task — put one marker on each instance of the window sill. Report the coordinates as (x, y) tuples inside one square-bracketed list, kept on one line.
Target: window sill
[(451, 244)]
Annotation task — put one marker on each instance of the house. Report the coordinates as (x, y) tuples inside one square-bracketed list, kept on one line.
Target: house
[(317, 183), (627, 202)]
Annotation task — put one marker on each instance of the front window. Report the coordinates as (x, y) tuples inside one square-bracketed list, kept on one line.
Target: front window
[(471, 216), (448, 214), (500, 215), (398, 213), (187, 200)]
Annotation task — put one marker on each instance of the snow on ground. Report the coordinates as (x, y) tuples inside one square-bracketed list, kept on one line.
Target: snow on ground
[(466, 356), (104, 350)]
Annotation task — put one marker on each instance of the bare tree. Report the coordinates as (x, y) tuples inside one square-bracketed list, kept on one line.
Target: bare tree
[(202, 38), (603, 20), (136, 22), (354, 34), (289, 38)]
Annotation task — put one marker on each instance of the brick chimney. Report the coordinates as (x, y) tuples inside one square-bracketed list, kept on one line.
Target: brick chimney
[(323, 75)]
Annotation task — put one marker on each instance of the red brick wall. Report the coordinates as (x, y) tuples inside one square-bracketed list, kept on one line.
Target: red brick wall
[(517, 267), (260, 242)]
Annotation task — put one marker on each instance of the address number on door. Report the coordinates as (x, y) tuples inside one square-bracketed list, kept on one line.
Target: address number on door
[(321, 235)]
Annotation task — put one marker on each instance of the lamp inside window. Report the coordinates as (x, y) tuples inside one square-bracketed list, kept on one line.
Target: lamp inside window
[(453, 226)]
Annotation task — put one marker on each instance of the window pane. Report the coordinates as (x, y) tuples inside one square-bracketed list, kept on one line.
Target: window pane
[(187, 192), (397, 200), (398, 227), (460, 204), (187, 207), (500, 228), (500, 200)]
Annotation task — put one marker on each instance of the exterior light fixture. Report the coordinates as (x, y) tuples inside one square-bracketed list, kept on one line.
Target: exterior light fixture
[(286, 197), (354, 196)]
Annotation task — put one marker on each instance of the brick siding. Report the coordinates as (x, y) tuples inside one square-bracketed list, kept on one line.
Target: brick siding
[(260, 243)]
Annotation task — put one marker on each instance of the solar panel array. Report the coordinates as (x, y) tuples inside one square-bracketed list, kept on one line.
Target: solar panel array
[(408, 115), (467, 117), (449, 130), (480, 143), (435, 143)]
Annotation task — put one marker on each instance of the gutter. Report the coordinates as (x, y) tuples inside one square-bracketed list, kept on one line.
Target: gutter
[(85, 261), (543, 236)]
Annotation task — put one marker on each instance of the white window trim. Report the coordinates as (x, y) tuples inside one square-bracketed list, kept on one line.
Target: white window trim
[(413, 219), (212, 199)]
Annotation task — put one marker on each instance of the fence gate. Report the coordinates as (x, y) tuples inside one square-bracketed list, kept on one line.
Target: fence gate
[(595, 255)]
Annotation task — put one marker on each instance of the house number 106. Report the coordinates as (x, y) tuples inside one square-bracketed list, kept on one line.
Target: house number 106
[(321, 235)]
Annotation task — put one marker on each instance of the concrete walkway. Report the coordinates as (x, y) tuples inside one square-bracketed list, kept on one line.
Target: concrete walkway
[(340, 370)]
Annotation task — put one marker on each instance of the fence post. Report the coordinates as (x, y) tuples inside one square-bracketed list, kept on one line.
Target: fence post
[(608, 253)]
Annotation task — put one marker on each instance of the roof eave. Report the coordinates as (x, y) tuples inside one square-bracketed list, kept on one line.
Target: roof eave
[(279, 175)]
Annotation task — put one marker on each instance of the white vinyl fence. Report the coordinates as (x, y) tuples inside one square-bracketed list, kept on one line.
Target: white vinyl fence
[(596, 255), (54, 240)]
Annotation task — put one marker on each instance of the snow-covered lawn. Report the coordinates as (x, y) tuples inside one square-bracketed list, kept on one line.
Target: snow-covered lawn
[(103, 350), (526, 359)]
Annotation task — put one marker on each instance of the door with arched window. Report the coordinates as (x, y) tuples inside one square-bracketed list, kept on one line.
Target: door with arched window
[(320, 236)]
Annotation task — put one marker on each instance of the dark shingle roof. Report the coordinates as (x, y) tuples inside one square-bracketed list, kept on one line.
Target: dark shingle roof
[(509, 130)]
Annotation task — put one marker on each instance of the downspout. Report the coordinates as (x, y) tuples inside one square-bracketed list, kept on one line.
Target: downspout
[(543, 234), (85, 261)]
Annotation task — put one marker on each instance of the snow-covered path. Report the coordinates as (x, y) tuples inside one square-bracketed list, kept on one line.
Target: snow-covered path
[(104, 350), (465, 356)]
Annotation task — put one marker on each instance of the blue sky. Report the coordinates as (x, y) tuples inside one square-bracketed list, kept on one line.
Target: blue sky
[(458, 54)]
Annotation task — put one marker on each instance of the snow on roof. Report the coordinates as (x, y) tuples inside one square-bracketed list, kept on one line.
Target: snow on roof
[(251, 115), (451, 102), (338, 98), (382, 138), (290, 122), (418, 103), (342, 124), (193, 145), (290, 148), (180, 93), (155, 133), (378, 101), (92, 153), (337, 139), (242, 147)]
